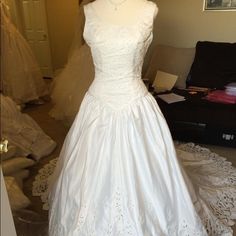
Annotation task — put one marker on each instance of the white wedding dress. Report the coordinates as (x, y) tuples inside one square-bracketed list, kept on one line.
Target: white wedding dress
[(23, 132), (118, 173), (22, 79)]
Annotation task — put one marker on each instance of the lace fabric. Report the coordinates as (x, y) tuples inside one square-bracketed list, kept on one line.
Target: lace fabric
[(214, 179), (221, 201)]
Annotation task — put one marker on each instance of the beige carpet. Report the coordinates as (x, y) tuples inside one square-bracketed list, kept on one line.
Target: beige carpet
[(57, 131)]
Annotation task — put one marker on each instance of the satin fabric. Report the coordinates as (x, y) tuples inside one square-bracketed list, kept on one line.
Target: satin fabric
[(118, 172)]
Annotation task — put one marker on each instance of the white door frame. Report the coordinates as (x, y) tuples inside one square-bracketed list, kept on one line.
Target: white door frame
[(35, 28)]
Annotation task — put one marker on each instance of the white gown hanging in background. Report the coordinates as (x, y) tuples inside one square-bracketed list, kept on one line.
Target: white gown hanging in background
[(71, 84), (118, 172), (21, 76)]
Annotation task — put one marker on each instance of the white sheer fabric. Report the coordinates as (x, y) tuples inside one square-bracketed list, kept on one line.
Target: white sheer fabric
[(21, 76), (118, 172), (71, 84), (23, 132)]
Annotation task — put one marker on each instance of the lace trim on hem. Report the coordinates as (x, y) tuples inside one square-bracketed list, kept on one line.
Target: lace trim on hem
[(213, 174)]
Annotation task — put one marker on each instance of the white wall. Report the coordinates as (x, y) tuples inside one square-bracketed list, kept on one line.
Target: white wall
[(182, 23)]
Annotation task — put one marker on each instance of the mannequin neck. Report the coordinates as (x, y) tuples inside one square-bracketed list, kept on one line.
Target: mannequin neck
[(119, 11), (119, 3)]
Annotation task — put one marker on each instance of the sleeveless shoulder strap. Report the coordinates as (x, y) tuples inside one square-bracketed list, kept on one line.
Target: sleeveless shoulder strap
[(153, 9), (150, 13), (88, 11), (87, 22)]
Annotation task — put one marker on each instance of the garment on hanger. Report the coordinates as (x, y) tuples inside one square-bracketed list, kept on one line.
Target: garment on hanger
[(119, 172), (21, 76)]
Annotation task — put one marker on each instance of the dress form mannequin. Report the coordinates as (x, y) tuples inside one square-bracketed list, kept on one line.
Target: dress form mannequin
[(126, 12), (118, 173)]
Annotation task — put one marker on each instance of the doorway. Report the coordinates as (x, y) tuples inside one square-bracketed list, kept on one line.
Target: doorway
[(33, 17)]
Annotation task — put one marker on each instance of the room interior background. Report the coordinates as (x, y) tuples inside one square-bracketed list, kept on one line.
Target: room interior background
[(179, 23)]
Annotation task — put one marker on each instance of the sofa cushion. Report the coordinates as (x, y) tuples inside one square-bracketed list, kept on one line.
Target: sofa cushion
[(172, 60), (214, 65)]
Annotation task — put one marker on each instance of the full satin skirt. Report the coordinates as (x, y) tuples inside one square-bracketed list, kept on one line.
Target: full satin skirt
[(118, 174)]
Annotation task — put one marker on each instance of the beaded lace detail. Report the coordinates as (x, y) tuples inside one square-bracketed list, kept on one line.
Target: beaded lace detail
[(214, 179), (117, 220), (213, 176)]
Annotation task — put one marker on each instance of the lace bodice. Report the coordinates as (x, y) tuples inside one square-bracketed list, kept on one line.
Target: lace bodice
[(118, 53)]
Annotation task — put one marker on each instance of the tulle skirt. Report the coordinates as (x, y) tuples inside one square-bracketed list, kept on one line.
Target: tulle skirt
[(71, 84), (21, 75)]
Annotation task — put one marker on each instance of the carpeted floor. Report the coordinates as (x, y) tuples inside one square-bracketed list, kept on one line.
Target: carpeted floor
[(57, 130)]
